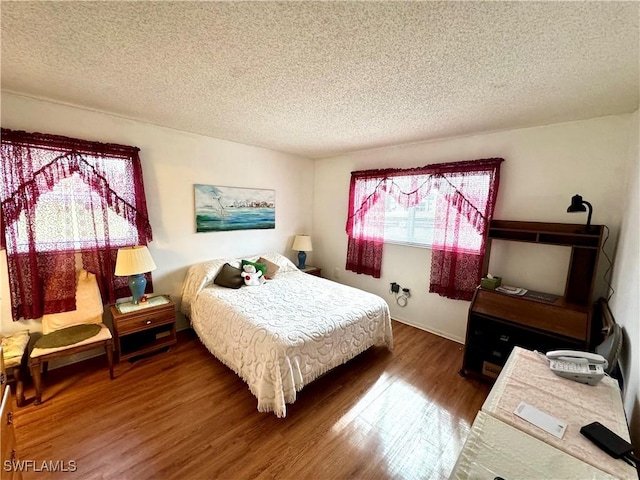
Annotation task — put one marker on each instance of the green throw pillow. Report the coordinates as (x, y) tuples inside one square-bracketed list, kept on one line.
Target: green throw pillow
[(229, 276), (259, 266)]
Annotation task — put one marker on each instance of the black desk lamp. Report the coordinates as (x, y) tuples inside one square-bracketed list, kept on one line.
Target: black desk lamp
[(578, 205)]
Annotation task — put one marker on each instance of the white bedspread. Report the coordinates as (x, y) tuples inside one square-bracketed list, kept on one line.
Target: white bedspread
[(280, 336)]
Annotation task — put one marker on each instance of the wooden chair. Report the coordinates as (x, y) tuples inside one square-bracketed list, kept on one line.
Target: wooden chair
[(72, 332), (14, 354), (8, 455)]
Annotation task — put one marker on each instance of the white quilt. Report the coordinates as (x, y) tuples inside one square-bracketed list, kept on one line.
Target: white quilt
[(280, 336)]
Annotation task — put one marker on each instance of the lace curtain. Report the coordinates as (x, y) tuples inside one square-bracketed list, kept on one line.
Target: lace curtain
[(62, 196), (465, 202)]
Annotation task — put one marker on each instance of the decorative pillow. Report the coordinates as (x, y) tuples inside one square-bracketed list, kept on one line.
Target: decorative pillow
[(272, 268), (283, 262), (229, 276), (88, 306), (259, 266)]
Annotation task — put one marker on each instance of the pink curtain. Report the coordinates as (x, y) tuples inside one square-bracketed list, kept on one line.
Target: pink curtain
[(466, 199), (77, 186), (365, 225)]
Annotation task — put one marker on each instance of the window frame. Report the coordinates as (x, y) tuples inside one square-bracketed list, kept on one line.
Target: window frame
[(412, 212)]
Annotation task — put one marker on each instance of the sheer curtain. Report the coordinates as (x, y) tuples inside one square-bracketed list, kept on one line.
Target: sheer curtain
[(62, 196), (466, 199)]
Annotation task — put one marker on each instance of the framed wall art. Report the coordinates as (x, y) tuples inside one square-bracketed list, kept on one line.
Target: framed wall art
[(220, 209)]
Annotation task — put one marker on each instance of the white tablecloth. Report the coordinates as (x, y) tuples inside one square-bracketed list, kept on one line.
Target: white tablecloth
[(526, 377), (495, 449)]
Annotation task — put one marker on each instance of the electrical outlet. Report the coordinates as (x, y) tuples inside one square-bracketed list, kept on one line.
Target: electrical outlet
[(395, 288), (336, 273)]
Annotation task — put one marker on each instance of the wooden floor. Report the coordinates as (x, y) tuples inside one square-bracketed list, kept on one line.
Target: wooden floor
[(182, 414)]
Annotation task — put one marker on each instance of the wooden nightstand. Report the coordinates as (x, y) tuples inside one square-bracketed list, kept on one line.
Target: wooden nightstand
[(312, 270), (142, 329)]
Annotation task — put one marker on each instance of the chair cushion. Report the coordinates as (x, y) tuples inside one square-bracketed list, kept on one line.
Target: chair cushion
[(67, 336), (102, 335), (88, 306), (13, 347)]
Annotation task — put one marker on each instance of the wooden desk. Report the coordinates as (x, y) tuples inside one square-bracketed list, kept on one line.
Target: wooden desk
[(497, 321)]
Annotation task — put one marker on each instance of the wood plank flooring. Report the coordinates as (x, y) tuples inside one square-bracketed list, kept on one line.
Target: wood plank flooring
[(182, 414)]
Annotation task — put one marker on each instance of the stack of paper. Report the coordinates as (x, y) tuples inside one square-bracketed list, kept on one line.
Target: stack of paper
[(511, 290)]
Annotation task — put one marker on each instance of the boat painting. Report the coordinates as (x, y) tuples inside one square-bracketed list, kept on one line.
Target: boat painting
[(220, 209)]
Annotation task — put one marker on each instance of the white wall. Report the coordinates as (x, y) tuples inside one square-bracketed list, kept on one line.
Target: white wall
[(544, 167), (625, 302), (172, 162)]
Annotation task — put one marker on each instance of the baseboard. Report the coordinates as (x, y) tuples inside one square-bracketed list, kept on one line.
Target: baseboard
[(430, 330)]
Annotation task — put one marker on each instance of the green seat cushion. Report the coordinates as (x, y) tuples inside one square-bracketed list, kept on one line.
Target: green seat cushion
[(68, 336)]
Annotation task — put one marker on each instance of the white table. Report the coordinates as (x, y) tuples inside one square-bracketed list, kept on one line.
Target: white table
[(495, 449), (526, 377)]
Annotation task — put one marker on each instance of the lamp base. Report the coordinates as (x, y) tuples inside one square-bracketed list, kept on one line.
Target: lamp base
[(302, 258), (137, 285)]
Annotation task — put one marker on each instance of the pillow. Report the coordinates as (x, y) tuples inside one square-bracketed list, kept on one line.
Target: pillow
[(272, 268), (283, 262), (199, 276), (88, 306), (229, 276), (259, 266)]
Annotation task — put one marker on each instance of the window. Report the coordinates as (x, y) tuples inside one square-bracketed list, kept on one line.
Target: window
[(445, 206), (62, 197), (412, 225), (415, 225), (72, 200)]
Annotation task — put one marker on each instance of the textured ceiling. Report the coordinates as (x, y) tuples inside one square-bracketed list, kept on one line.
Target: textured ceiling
[(322, 78)]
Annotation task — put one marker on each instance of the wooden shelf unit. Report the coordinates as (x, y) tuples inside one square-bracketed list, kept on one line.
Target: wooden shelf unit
[(497, 322), (585, 249)]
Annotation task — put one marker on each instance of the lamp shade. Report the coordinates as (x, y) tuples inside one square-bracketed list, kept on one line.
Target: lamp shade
[(134, 260), (302, 243), (577, 205)]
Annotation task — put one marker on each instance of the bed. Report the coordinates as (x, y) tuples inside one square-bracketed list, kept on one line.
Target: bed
[(282, 335)]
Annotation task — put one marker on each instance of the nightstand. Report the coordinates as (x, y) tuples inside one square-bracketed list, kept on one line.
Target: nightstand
[(312, 270), (143, 328)]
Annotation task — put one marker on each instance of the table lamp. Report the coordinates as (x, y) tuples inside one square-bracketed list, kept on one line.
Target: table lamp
[(135, 262), (302, 243)]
